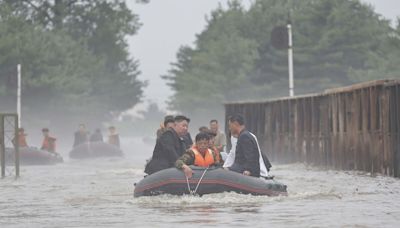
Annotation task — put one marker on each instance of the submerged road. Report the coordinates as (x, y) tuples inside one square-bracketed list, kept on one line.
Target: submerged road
[(99, 193)]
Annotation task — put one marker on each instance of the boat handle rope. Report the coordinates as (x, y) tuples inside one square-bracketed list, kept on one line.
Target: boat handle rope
[(198, 183)]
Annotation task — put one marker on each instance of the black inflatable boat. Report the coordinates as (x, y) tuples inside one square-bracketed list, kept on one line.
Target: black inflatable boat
[(206, 181), (32, 156), (95, 149)]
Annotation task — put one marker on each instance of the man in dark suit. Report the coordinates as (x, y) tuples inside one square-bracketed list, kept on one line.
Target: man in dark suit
[(81, 136), (169, 146), (247, 159)]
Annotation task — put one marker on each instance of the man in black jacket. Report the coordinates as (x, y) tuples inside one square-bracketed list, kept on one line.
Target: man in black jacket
[(247, 159), (169, 146)]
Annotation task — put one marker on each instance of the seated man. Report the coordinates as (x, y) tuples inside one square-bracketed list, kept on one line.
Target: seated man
[(169, 146), (212, 146), (49, 143), (21, 138), (96, 136), (248, 158), (198, 155)]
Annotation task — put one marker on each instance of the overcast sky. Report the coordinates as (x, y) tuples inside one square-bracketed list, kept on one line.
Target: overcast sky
[(169, 24)]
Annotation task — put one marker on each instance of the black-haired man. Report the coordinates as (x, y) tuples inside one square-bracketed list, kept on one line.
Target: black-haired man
[(169, 146), (169, 121), (81, 136), (199, 155), (247, 158)]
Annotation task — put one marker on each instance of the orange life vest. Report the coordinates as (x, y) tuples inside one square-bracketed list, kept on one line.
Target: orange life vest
[(49, 144), (22, 140), (205, 161)]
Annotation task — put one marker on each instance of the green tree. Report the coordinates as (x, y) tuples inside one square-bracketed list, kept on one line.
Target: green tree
[(383, 64), (65, 76), (233, 58), (206, 75)]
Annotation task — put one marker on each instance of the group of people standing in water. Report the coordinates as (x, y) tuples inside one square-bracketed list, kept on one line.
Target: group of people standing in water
[(175, 148)]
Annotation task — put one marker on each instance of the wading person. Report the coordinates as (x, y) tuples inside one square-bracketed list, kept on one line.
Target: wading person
[(169, 146), (113, 137), (248, 158), (199, 155), (49, 143), (220, 138)]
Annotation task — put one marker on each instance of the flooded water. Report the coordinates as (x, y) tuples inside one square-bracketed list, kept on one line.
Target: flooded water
[(99, 193)]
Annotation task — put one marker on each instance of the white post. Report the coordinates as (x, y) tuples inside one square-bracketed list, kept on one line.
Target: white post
[(290, 60), (19, 95)]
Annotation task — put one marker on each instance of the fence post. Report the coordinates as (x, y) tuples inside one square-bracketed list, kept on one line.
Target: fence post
[(16, 145)]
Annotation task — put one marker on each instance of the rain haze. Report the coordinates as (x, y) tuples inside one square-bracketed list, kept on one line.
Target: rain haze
[(167, 25), (101, 140)]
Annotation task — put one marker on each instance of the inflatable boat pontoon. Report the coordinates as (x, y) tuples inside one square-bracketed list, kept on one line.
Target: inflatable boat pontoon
[(206, 181), (32, 156)]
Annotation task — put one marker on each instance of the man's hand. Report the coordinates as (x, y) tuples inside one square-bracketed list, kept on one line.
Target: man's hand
[(187, 171), (247, 173)]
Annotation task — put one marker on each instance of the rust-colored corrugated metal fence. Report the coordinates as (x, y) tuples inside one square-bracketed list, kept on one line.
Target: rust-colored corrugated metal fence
[(356, 127)]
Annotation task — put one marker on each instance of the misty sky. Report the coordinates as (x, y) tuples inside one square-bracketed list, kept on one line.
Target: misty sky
[(169, 24)]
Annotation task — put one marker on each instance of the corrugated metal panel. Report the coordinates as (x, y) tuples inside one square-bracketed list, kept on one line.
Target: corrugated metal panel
[(355, 127)]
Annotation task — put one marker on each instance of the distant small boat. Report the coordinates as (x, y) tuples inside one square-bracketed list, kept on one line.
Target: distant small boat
[(33, 156), (213, 180), (95, 149)]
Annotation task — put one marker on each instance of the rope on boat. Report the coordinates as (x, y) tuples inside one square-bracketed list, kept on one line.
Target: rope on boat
[(193, 192)]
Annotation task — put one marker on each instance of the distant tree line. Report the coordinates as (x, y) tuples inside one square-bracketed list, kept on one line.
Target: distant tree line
[(336, 43), (74, 56)]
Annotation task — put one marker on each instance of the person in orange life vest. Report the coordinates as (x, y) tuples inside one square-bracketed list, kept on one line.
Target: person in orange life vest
[(212, 146), (21, 138), (49, 143), (199, 155)]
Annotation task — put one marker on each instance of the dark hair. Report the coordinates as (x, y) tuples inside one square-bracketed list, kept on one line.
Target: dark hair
[(111, 128), (45, 130), (98, 130), (21, 129), (181, 118), (211, 133), (168, 119), (203, 129), (202, 136), (237, 118), (212, 121)]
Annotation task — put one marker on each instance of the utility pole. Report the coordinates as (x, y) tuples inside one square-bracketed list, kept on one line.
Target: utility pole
[(19, 94), (290, 56)]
